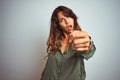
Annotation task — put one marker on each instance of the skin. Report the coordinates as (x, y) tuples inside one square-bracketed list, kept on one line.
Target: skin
[(79, 39)]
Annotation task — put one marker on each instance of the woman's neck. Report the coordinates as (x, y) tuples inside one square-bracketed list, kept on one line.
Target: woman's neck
[(65, 43), (66, 36)]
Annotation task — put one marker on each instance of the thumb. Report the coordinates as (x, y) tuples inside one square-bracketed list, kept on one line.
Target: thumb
[(71, 37)]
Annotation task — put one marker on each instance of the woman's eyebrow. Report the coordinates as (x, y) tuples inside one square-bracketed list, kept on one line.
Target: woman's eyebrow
[(60, 19)]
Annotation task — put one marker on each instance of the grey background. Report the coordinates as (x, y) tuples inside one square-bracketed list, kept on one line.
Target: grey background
[(24, 29)]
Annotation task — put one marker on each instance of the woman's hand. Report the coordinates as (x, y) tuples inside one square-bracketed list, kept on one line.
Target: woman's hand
[(80, 41)]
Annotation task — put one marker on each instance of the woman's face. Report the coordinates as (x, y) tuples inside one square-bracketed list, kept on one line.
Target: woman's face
[(66, 23)]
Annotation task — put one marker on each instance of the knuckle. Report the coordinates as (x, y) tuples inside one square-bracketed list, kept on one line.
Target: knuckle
[(85, 32), (87, 44), (87, 39), (87, 48)]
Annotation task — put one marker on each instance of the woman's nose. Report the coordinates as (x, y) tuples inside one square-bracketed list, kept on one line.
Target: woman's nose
[(66, 21)]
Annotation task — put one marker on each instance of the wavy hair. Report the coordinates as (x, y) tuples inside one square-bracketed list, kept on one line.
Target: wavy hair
[(55, 31)]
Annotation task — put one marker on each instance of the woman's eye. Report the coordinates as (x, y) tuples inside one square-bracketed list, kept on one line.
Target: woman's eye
[(61, 20)]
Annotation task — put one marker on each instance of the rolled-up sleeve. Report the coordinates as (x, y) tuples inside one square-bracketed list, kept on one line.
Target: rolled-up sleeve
[(91, 53)]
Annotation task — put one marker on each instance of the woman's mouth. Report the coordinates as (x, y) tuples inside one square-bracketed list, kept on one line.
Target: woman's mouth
[(69, 27)]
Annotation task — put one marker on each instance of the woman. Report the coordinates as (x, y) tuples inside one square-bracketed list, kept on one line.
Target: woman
[(68, 46)]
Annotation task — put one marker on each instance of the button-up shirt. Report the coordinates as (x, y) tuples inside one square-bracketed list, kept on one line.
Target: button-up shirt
[(67, 66)]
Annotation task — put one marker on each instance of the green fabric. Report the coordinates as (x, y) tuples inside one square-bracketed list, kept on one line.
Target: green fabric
[(90, 54), (67, 66)]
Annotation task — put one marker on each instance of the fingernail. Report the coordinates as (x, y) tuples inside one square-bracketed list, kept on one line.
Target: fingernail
[(70, 40)]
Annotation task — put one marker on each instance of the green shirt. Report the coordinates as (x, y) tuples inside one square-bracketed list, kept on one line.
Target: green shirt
[(67, 66)]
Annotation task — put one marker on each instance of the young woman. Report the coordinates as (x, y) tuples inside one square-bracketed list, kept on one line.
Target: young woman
[(68, 46)]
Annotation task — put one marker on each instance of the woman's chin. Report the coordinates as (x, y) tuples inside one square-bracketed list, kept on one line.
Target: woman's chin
[(70, 31)]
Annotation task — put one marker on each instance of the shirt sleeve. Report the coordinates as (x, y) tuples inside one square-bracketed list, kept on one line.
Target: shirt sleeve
[(89, 54)]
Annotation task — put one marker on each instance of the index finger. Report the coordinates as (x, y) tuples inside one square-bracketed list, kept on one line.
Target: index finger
[(78, 34)]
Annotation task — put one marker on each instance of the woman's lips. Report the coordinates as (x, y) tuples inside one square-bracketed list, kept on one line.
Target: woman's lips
[(69, 27)]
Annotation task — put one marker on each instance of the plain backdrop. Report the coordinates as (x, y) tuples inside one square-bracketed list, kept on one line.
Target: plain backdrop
[(24, 30)]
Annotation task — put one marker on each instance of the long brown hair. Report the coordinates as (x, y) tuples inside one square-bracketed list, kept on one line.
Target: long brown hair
[(55, 31)]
